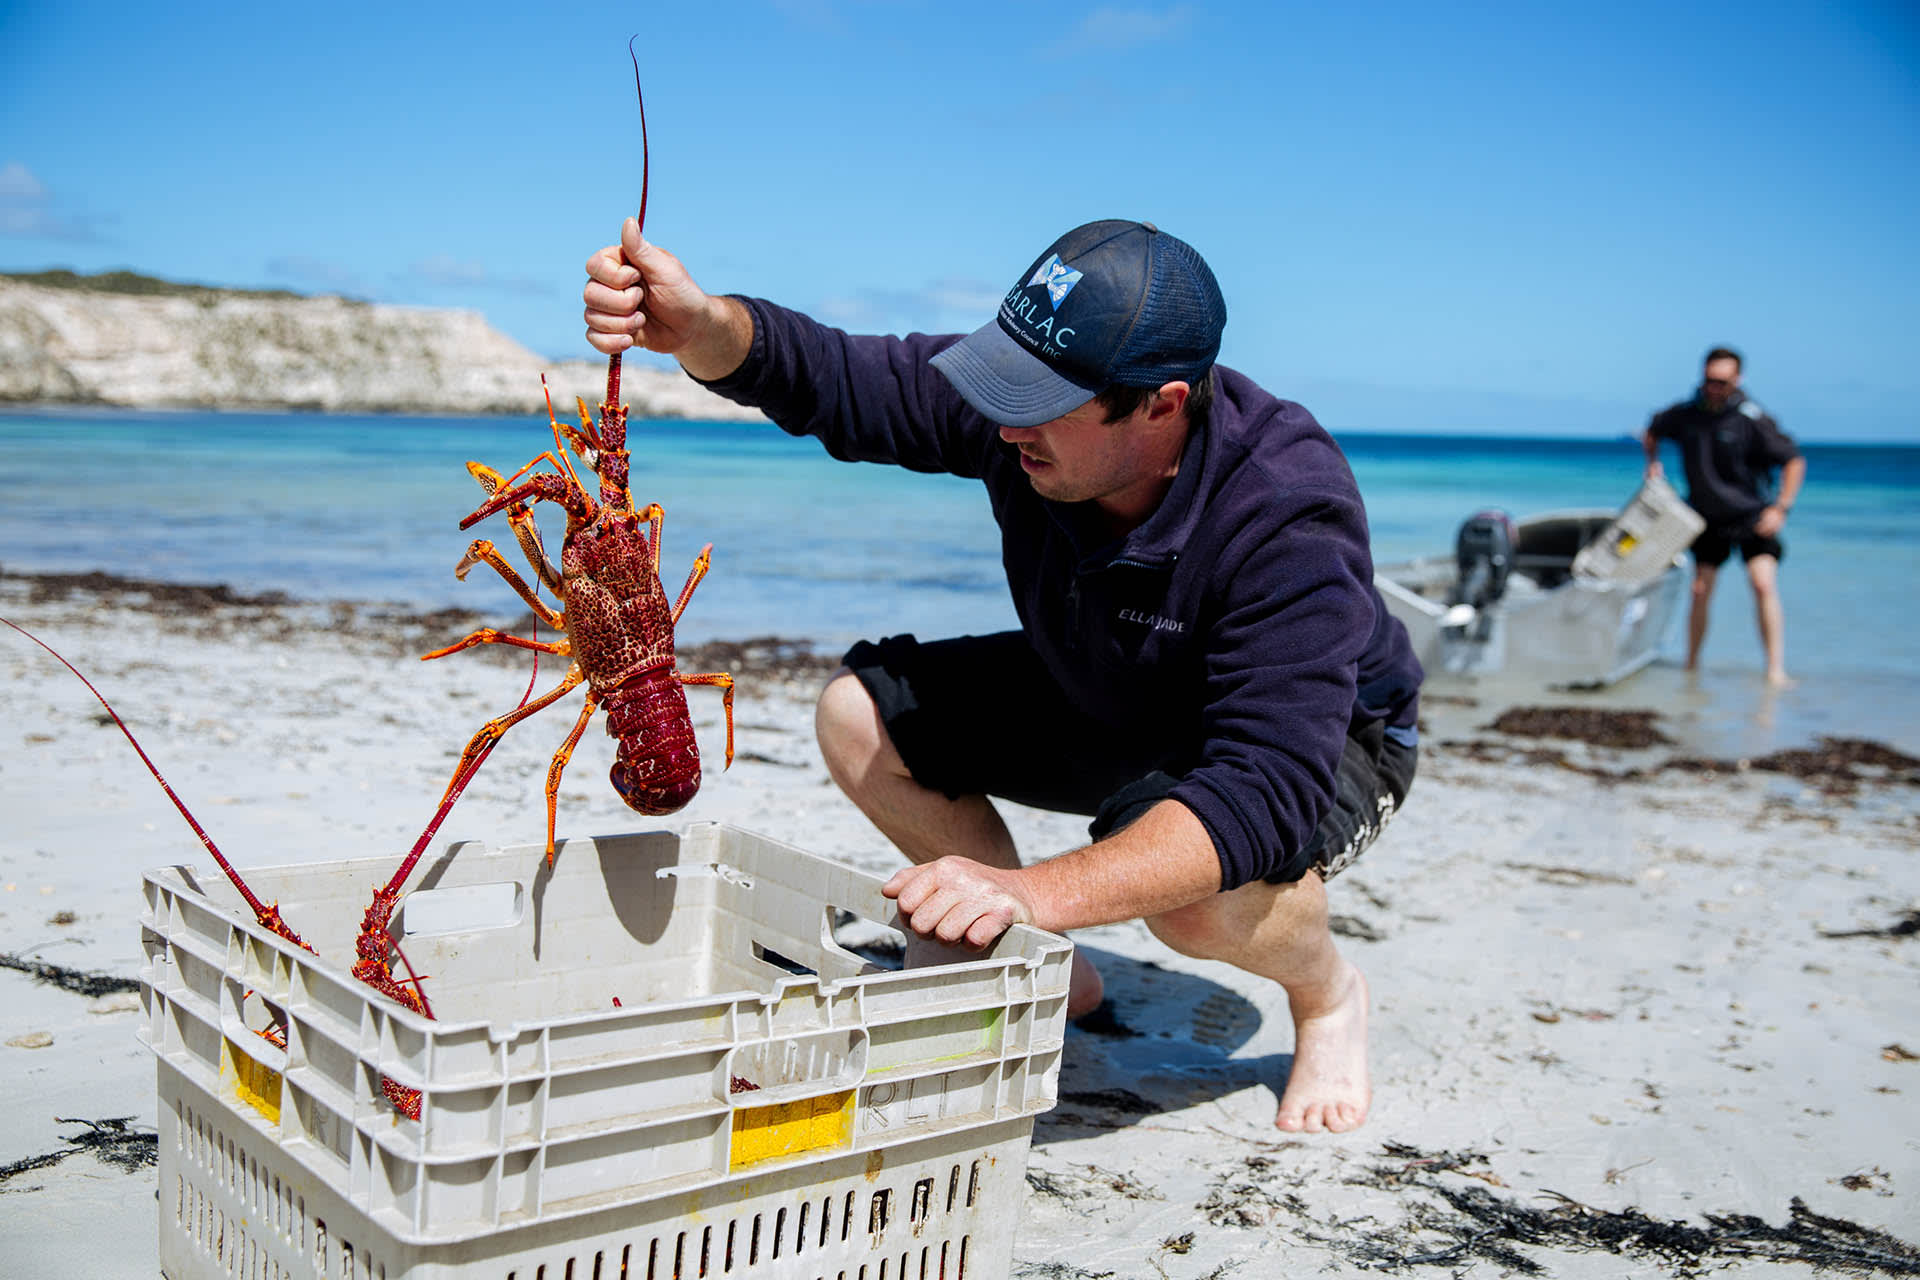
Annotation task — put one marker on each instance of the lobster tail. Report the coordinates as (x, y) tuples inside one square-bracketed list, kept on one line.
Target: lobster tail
[(657, 767)]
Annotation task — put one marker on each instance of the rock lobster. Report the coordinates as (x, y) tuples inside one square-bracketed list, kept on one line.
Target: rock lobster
[(614, 618)]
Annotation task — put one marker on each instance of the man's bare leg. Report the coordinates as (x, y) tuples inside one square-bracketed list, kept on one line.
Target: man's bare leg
[(1704, 576), (1280, 932), (922, 823), (1764, 573)]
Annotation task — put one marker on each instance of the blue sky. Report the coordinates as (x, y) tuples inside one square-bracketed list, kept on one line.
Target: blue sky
[(1508, 218)]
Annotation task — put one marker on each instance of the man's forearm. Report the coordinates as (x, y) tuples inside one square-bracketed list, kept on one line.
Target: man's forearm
[(1792, 476), (722, 342), (1163, 860)]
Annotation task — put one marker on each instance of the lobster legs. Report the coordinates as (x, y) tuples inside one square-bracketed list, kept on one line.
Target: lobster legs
[(490, 733), (699, 571), (525, 532), (559, 765), (493, 730), (483, 552), (724, 682)]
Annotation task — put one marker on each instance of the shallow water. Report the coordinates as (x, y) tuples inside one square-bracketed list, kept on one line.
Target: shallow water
[(1722, 713), (364, 507)]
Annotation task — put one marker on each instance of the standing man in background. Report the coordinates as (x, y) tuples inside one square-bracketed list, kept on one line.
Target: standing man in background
[(1731, 449)]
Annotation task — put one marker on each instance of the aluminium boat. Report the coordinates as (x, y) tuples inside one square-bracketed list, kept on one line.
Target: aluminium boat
[(1574, 599)]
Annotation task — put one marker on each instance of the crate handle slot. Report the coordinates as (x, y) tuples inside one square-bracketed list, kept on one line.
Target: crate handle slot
[(467, 908), (763, 1073), (874, 946), (706, 871), (864, 899)]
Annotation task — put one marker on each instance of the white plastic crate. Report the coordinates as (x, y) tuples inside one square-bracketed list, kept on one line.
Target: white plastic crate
[(1655, 526), (561, 1136)]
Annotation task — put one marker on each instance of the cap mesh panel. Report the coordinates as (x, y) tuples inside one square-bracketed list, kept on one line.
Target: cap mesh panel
[(1179, 336)]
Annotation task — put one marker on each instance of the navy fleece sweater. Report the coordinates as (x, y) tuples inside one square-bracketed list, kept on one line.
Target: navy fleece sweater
[(1241, 615)]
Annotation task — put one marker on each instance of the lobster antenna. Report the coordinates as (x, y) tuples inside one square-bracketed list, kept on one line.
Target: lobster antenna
[(613, 361), (459, 784), (559, 447), (259, 908), (640, 99)]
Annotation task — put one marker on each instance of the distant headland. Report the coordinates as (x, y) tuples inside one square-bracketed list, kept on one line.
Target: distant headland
[(123, 340)]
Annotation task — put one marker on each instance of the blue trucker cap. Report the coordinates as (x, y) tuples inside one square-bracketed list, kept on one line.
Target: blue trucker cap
[(1111, 303)]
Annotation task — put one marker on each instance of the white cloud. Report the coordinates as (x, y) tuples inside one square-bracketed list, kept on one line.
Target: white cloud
[(18, 183), (1126, 28), (26, 209), (444, 271), (315, 273), (941, 306), (809, 13), (969, 296)]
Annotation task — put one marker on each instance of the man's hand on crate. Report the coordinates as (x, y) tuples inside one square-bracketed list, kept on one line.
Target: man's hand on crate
[(959, 900), (1161, 861)]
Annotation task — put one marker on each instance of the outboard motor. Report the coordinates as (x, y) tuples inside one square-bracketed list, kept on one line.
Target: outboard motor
[(1484, 553)]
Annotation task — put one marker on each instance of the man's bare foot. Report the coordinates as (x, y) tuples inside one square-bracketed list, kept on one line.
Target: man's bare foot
[(1780, 680), (1085, 989), (1328, 1090)]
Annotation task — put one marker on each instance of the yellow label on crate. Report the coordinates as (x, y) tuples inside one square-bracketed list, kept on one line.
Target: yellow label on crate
[(792, 1128), (1627, 543), (253, 1084)]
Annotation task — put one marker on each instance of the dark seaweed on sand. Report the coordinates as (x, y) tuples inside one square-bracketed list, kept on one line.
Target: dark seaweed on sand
[(1354, 927), (1454, 1225), (1487, 1225), (1597, 726), (273, 615), (760, 657), (128, 1150), (1906, 926), (1832, 764), (1836, 766), (402, 629), (160, 597), (59, 975)]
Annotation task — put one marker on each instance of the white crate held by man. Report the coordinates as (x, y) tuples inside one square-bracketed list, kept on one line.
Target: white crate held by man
[(1655, 526)]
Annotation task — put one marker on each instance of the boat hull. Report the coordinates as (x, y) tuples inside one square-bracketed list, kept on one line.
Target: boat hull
[(1550, 624)]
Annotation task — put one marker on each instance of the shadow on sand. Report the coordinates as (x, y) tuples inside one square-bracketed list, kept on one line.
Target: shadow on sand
[(1162, 1041)]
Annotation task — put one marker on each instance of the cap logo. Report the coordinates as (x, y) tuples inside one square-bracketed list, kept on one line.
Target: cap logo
[(1057, 276)]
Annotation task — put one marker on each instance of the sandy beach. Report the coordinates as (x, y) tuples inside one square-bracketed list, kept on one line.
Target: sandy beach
[(1637, 1011)]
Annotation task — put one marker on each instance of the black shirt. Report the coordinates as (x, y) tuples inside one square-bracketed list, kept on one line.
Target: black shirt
[(1730, 456)]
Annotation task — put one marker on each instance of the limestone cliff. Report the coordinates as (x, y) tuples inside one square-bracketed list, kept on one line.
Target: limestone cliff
[(136, 342)]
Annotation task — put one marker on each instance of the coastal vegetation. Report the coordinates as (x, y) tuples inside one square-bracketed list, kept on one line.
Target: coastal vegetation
[(133, 284)]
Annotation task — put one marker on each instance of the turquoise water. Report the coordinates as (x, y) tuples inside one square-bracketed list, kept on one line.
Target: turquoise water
[(338, 506)]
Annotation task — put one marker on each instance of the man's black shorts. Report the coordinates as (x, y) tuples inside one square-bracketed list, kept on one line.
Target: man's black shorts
[(1712, 547), (980, 715)]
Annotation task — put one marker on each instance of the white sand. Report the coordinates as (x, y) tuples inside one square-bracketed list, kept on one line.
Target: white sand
[(1613, 992)]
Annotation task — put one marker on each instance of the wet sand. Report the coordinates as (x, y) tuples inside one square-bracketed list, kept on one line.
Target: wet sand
[(1641, 1007)]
